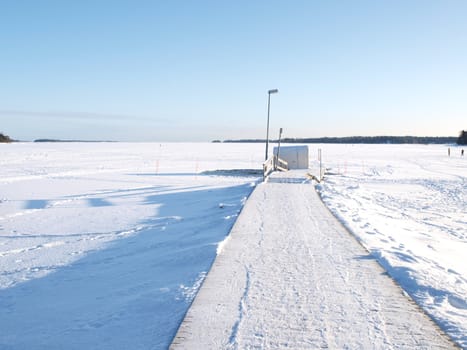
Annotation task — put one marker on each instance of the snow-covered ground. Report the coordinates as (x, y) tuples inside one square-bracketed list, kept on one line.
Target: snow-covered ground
[(104, 245), (408, 206), (292, 277)]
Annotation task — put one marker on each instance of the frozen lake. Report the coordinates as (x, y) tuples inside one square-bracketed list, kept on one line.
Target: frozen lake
[(105, 244)]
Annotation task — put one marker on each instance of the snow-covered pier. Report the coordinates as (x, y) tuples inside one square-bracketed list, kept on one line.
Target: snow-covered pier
[(291, 276)]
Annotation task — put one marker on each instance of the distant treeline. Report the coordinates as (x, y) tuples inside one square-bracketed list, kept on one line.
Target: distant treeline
[(462, 139), (5, 138), (54, 140), (361, 139)]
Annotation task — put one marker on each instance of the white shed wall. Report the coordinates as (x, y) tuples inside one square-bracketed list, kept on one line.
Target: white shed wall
[(295, 156)]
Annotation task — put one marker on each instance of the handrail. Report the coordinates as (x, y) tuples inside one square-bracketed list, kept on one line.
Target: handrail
[(281, 164), (268, 167), (274, 163)]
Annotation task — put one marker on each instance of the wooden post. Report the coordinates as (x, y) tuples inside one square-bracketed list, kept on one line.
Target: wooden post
[(278, 148), (320, 164)]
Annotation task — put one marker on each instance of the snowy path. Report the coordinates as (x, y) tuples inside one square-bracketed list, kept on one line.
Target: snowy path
[(291, 276)]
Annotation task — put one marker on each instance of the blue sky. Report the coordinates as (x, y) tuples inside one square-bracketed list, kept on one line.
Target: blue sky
[(200, 70)]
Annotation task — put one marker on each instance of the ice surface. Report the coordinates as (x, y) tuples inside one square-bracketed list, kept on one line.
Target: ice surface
[(103, 245)]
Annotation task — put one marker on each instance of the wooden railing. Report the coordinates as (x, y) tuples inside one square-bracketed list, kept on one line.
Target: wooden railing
[(274, 163), (268, 167), (281, 164)]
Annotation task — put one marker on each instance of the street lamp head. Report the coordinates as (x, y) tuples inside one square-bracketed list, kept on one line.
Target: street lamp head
[(273, 91)]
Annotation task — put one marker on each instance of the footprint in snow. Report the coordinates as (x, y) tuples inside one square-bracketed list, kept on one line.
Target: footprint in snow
[(457, 302)]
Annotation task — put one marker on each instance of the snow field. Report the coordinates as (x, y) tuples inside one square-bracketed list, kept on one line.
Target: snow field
[(408, 206), (104, 245), (292, 277)]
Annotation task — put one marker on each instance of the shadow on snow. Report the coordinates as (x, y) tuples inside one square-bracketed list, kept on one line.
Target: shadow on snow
[(134, 292)]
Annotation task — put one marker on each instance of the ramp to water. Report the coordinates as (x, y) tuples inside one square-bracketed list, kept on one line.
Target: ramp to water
[(291, 276)]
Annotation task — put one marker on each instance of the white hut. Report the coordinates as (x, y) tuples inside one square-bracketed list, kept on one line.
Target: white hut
[(295, 156)]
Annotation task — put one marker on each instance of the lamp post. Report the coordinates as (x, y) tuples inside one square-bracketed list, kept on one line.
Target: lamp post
[(273, 91)]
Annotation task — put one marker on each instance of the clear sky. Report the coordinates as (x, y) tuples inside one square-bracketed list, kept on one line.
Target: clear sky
[(200, 70)]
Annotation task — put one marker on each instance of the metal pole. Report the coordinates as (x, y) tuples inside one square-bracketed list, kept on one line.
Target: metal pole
[(273, 91), (267, 128)]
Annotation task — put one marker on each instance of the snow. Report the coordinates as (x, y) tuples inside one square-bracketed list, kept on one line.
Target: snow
[(408, 206), (292, 277), (104, 245)]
